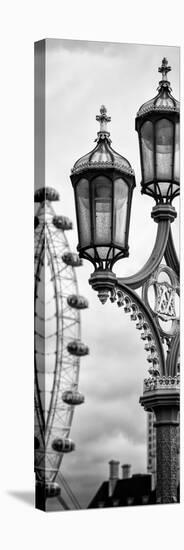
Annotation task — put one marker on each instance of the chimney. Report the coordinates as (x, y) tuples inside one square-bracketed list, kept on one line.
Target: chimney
[(113, 475), (126, 468)]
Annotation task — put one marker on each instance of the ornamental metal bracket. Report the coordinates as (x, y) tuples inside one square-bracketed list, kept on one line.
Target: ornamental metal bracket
[(171, 255), (164, 215), (139, 312)]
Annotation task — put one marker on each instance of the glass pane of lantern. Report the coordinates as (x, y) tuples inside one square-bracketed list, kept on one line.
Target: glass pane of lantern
[(102, 189), (174, 187), (83, 208), (147, 151), (164, 152), (91, 252), (177, 153), (103, 252), (120, 210), (164, 187)]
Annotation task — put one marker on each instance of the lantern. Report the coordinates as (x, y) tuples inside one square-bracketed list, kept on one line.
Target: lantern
[(103, 183), (157, 124)]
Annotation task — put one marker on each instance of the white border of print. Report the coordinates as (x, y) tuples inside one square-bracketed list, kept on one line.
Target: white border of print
[(22, 525)]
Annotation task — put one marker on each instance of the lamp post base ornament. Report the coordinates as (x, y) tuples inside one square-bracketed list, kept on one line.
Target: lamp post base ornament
[(103, 281)]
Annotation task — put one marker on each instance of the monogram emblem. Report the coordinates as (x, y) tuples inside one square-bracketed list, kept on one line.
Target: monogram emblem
[(165, 301), (165, 295)]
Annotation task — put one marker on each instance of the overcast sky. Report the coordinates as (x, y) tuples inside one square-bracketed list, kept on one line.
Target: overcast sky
[(80, 76)]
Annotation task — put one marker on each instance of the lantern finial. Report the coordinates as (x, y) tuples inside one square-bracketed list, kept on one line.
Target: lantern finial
[(103, 118), (164, 69)]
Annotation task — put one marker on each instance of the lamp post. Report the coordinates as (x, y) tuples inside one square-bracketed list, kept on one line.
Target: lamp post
[(103, 182)]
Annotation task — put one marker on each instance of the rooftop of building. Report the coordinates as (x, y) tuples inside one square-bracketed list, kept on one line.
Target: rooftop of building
[(133, 491)]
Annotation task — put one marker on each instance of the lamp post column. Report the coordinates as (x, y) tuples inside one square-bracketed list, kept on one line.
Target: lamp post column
[(161, 396)]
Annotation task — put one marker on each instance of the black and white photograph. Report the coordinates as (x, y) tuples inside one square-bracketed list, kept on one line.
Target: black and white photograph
[(92, 126), (106, 247)]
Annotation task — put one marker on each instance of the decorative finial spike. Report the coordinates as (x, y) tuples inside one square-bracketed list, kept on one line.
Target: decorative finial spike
[(164, 69), (103, 118), (103, 110)]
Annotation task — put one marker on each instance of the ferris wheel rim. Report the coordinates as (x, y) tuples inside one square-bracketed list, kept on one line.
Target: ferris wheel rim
[(75, 363)]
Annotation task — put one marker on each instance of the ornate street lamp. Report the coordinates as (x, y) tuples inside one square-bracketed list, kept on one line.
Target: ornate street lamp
[(157, 124), (103, 183)]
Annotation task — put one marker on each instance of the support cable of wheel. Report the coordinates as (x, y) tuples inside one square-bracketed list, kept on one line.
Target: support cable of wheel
[(64, 483)]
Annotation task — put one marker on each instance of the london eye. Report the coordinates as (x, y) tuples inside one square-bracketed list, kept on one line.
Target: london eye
[(58, 347)]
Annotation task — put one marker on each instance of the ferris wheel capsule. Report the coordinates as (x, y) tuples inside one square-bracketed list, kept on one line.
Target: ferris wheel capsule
[(46, 194), (77, 348), (52, 489), (72, 397), (72, 258), (77, 302), (61, 222), (63, 445)]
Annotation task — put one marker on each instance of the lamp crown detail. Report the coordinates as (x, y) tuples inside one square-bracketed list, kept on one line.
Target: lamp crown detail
[(164, 69), (103, 119)]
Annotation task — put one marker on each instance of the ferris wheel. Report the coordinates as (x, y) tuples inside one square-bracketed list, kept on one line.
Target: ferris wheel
[(58, 345)]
